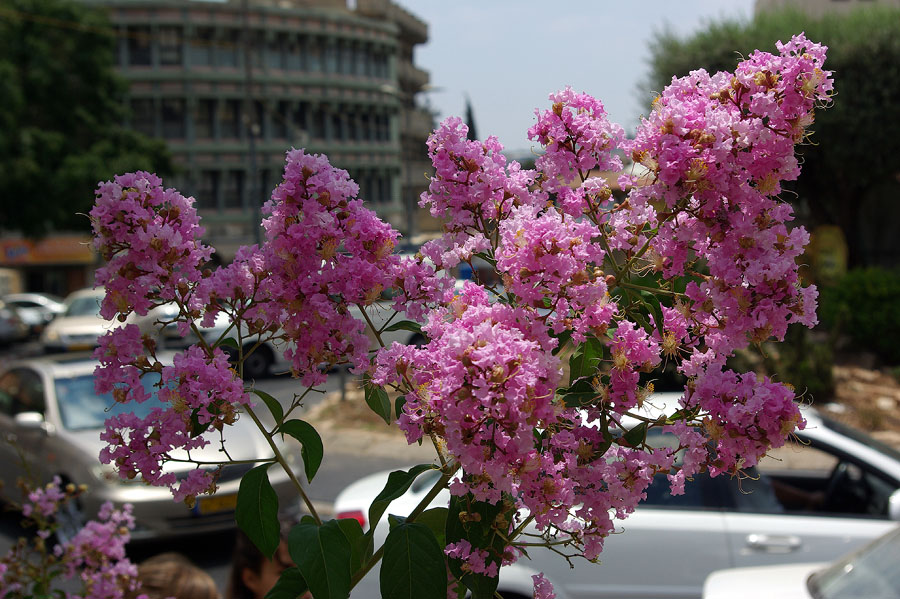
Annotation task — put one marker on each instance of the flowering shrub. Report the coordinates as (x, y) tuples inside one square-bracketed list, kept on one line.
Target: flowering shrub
[(94, 556), (696, 262)]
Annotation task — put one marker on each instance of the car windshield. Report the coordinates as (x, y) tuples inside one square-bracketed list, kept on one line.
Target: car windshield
[(84, 306), (870, 573), (80, 408)]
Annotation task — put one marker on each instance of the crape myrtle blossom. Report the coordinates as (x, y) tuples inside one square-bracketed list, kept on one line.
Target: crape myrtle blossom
[(529, 390), (149, 237), (93, 563), (325, 252)]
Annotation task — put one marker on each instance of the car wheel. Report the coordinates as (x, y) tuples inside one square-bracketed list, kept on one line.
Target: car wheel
[(69, 520), (258, 363)]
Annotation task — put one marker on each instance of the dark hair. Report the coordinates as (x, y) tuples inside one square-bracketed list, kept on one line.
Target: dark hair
[(245, 556), (173, 575)]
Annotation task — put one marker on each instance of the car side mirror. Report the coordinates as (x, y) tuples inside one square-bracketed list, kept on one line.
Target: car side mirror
[(33, 421), (894, 505)]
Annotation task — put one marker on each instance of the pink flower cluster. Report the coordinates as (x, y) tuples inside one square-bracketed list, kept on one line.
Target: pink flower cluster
[(549, 261), (149, 237), (324, 252), (716, 148), (199, 392), (95, 556), (485, 381), (578, 138), (696, 262)]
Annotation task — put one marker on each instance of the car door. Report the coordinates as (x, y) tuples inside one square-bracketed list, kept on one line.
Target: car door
[(665, 549), (771, 524), (21, 391)]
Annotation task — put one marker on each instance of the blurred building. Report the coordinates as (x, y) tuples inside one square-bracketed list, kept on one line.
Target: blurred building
[(231, 85), (817, 8)]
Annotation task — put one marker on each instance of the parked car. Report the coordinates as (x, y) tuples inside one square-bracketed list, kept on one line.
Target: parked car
[(833, 490), (79, 326), (872, 572), (50, 412), (36, 309), (12, 327)]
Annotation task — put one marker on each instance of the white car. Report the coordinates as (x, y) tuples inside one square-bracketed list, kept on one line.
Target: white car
[(36, 309), (838, 488), (51, 415), (79, 326), (872, 572)]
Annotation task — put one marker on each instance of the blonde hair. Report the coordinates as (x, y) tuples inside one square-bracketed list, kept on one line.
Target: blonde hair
[(173, 575)]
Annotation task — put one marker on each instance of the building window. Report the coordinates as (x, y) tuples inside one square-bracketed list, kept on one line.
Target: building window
[(314, 55), (170, 46), (139, 42), (292, 54), (202, 47), (230, 122), (173, 118), (233, 191), (204, 119), (275, 53), (143, 119), (229, 48), (280, 121), (209, 190)]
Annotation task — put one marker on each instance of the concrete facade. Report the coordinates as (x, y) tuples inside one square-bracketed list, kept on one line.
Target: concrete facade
[(320, 75)]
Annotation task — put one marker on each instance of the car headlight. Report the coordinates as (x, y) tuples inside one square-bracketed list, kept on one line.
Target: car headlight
[(51, 334)]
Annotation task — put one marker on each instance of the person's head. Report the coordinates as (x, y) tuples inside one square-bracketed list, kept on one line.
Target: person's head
[(252, 574), (173, 575)]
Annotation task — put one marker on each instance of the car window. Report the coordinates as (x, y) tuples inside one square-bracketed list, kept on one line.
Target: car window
[(80, 408), (84, 306), (21, 390), (25, 304)]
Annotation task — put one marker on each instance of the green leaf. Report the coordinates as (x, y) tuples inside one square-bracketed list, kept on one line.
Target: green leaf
[(579, 399), (398, 405), (198, 429), (637, 435), (397, 484), (435, 519), (323, 555), (229, 342), (257, 510), (290, 585), (378, 401), (476, 521), (413, 566), (354, 533), (584, 361), (404, 325), (564, 339), (273, 404), (311, 449)]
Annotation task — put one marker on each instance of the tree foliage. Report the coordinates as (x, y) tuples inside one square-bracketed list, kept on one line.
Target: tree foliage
[(61, 115), (853, 164)]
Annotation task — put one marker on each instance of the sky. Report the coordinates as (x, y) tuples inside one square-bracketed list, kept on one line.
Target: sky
[(509, 56)]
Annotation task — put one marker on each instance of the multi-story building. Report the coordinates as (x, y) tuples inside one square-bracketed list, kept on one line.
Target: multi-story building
[(231, 85)]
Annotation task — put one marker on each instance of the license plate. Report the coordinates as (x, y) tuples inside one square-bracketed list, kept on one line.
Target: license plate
[(215, 504), (81, 346)]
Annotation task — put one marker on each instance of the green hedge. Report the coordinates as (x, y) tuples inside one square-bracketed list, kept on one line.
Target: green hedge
[(864, 307)]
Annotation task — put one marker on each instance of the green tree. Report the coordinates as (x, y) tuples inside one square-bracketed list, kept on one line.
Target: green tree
[(851, 173), (61, 115)]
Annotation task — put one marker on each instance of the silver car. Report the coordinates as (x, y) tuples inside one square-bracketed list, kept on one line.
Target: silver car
[(52, 417), (829, 491), (36, 309)]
